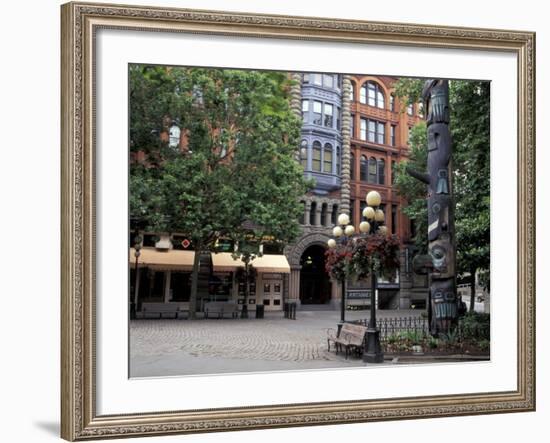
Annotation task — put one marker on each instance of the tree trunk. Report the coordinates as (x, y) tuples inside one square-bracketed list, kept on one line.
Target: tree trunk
[(247, 281), (473, 289), (194, 283)]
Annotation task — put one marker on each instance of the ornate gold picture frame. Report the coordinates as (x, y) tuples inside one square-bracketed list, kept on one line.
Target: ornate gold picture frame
[(80, 23)]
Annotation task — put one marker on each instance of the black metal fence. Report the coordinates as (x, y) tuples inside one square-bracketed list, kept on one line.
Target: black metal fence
[(393, 326)]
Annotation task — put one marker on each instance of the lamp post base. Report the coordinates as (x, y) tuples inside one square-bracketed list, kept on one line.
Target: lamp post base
[(373, 351)]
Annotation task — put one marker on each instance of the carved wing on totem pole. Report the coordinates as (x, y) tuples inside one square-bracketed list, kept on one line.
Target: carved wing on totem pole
[(441, 233)]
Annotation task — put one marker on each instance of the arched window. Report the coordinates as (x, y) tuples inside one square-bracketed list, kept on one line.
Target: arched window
[(334, 214), (363, 94), (303, 153), (381, 171), (312, 211), (316, 157), (372, 170), (324, 214), (352, 166), (363, 169), (301, 217), (393, 219), (375, 95), (327, 158), (338, 162)]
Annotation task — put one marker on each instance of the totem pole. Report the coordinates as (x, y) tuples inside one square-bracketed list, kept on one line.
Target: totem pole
[(441, 260)]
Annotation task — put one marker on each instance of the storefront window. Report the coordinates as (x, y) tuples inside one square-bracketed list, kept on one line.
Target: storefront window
[(180, 286)]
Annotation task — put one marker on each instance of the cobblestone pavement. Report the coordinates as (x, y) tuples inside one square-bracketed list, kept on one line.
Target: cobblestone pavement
[(184, 347)]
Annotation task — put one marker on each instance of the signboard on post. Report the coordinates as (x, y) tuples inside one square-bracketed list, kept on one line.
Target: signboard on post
[(363, 294)]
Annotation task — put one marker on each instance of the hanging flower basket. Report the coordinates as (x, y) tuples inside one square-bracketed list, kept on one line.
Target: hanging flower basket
[(380, 252), (353, 259), (336, 262)]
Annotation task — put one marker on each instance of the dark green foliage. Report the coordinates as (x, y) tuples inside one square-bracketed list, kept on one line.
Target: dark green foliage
[(415, 191), (470, 129), (237, 177), (476, 326)]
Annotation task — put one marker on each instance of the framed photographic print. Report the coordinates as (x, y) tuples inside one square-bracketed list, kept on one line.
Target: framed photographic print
[(262, 215)]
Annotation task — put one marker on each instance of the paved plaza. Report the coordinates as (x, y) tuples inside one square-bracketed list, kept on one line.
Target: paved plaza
[(187, 347)]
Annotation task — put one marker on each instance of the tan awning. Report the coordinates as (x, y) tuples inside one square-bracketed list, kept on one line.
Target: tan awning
[(164, 260), (224, 262)]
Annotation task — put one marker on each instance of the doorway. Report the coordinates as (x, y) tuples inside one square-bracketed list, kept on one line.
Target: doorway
[(315, 286)]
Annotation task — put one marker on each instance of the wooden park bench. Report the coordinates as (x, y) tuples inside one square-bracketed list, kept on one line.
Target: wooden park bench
[(162, 310), (351, 338), (221, 308)]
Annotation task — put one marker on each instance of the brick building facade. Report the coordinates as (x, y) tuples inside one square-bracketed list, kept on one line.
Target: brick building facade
[(354, 130)]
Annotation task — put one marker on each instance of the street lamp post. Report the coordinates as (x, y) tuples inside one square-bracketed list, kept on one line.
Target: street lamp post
[(372, 352), (343, 232), (137, 253)]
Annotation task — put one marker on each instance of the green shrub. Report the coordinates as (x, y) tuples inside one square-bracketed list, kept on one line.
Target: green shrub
[(392, 339), (476, 326), (484, 344), (451, 338)]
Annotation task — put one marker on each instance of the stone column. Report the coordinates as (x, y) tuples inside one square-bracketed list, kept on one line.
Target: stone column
[(296, 101), (286, 278), (346, 147), (167, 280), (318, 210), (306, 213), (294, 284)]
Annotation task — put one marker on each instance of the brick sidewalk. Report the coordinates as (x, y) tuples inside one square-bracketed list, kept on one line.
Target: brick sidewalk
[(185, 347)]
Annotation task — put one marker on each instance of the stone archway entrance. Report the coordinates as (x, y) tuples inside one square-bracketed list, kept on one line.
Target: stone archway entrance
[(315, 286)]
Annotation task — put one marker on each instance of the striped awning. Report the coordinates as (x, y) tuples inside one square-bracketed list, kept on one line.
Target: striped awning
[(164, 260), (224, 262)]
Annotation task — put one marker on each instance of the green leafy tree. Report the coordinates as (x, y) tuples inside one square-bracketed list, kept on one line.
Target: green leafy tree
[(236, 176), (412, 189), (470, 130)]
